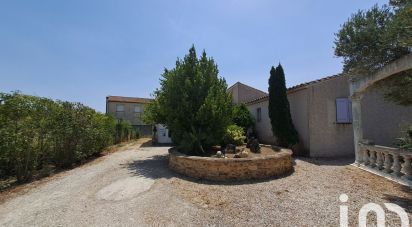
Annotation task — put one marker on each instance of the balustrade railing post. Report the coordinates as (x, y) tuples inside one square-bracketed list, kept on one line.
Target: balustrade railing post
[(372, 158), (366, 157), (379, 160), (407, 168), (396, 165), (388, 163)]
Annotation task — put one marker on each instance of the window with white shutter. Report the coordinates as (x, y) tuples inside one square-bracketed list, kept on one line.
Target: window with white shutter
[(343, 111)]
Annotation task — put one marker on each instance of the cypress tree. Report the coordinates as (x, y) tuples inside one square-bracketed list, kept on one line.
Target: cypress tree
[(193, 102), (279, 110)]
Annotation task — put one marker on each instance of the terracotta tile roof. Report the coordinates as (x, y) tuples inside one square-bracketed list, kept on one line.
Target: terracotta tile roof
[(127, 99), (242, 84), (261, 99), (296, 88), (313, 82)]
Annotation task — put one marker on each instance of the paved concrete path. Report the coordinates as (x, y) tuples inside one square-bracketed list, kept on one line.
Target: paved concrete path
[(135, 188)]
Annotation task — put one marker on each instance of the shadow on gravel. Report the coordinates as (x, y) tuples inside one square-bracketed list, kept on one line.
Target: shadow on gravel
[(151, 144), (405, 201), (155, 167), (328, 161)]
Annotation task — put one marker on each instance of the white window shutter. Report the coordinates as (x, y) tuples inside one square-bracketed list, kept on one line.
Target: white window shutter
[(343, 110)]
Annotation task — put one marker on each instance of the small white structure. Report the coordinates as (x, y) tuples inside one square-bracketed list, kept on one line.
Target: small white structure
[(162, 134)]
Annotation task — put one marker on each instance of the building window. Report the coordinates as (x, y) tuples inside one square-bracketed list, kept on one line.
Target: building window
[(137, 109), (119, 108), (343, 111), (259, 114)]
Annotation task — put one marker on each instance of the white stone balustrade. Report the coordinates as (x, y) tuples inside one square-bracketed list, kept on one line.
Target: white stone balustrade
[(392, 163), (387, 160)]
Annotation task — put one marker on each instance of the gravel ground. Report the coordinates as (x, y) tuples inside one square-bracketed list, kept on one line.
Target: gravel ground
[(135, 188)]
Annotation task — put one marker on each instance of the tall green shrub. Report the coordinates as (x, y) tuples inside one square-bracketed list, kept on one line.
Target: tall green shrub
[(192, 101), (242, 117), (125, 131), (37, 131), (279, 110), (24, 134)]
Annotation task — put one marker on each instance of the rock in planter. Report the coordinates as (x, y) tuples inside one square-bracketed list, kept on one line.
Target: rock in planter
[(236, 156), (230, 149), (255, 146), (219, 154), (249, 141), (244, 154)]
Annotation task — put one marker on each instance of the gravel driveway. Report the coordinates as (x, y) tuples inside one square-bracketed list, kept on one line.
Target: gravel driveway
[(135, 188)]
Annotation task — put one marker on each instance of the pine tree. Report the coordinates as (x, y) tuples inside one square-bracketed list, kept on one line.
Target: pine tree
[(279, 110)]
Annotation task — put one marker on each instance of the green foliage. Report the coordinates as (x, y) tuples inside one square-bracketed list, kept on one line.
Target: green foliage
[(367, 42), (398, 88), (152, 114), (23, 135), (373, 38), (35, 132), (279, 110), (234, 135), (193, 103), (125, 131), (400, 27), (242, 117), (406, 142)]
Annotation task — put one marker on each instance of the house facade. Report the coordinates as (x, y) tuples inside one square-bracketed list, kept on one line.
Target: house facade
[(242, 93), (130, 109), (322, 115)]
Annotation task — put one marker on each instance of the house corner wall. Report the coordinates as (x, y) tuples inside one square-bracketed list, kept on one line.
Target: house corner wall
[(327, 137), (299, 111)]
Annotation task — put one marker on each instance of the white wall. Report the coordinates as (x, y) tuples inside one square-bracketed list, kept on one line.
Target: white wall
[(264, 127), (162, 134)]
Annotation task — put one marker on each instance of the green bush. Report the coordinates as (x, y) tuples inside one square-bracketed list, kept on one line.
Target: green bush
[(125, 131), (234, 135), (242, 117), (35, 132), (406, 141), (23, 134), (193, 102)]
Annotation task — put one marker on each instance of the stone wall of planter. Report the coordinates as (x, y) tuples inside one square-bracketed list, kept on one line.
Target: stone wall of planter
[(220, 169)]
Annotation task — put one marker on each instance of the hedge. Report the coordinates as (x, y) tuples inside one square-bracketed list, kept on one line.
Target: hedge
[(36, 131)]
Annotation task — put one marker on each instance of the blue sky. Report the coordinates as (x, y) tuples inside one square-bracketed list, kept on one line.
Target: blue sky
[(82, 50)]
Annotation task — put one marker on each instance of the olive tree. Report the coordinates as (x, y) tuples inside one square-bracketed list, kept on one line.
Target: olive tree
[(371, 39)]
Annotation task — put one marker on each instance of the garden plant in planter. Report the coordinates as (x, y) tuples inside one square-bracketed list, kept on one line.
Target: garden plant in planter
[(192, 101)]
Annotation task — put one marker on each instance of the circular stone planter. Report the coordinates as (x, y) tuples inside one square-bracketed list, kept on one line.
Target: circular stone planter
[(222, 169)]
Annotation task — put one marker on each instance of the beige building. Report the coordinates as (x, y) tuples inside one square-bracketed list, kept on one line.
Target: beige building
[(130, 109), (322, 115), (242, 93)]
